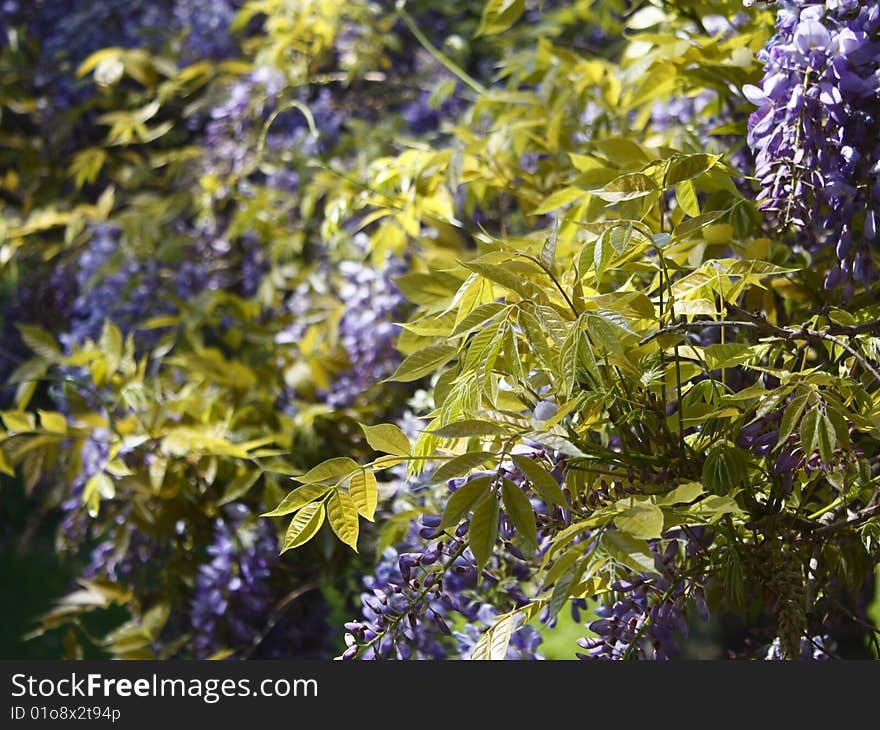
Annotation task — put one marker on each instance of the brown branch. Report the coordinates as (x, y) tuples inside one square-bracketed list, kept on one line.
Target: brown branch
[(803, 334), (694, 326), (856, 519)]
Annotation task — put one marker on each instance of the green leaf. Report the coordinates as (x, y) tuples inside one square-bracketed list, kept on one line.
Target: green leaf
[(422, 363), (478, 316), (499, 15), (336, 468), (725, 468), (809, 431), (687, 167), (460, 465), (841, 316), (492, 645), (364, 492), (838, 418), (630, 186), (343, 517), (755, 270), (628, 550), (471, 427), (304, 526), (18, 421), (463, 499), (602, 253), (727, 355), (605, 334), (298, 498), (682, 493), (427, 288), (558, 199), (715, 506), (548, 250), (644, 521), (563, 585), (520, 511), (620, 236), (790, 418), (537, 338), (239, 486), (827, 438), (509, 279), (52, 421), (5, 466), (542, 481), (558, 443), (41, 342), (111, 346), (622, 151), (686, 196), (387, 438), (483, 530)]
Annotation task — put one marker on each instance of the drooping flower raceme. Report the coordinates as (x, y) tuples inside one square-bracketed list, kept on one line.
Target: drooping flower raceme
[(233, 600), (366, 329), (816, 133)]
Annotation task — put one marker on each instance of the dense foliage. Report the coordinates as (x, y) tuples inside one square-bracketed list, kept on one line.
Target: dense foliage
[(394, 330)]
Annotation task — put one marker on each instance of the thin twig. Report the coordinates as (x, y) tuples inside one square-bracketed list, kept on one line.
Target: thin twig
[(853, 520), (803, 334), (277, 612)]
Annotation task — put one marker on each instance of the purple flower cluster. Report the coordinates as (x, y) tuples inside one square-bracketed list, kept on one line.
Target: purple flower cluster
[(424, 601), (367, 331), (426, 598), (67, 33), (124, 554), (423, 115), (817, 648), (815, 134), (206, 27), (648, 613), (235, 123), (234, 598), (125, 295), (94, 455)]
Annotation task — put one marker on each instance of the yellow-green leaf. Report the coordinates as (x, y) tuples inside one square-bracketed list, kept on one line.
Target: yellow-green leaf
[(520, 511), (304, 526), (558, 199), (643, 521), (343, 517), (53, 422), (471, 427), (499, 15), (463, 499), (686, 196), (387, 438), (365, 493), (492, 645), (460, 465), (627, 187), (483, 530), (41, 342), (18, 421), (542, 481), (336, 468), (423, 362), (298, 498), (5, 466)]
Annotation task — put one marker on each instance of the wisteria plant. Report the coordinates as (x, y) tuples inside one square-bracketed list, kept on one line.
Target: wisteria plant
[(401, 330)]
